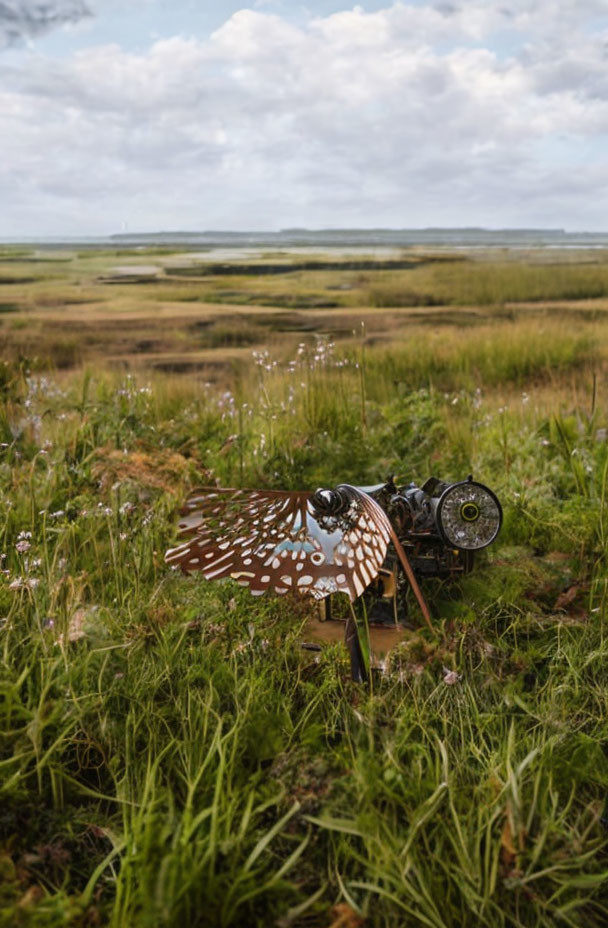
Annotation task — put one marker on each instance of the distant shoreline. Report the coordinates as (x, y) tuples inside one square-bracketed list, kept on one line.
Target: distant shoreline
[(331, 238)]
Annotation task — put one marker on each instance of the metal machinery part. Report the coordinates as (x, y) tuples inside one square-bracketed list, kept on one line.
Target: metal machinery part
[(440, 526), (373, 543)]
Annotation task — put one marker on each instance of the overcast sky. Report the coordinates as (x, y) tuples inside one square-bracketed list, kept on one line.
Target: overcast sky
[(143, 115)]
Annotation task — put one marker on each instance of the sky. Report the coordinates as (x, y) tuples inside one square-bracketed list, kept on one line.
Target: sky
[(148, 115)]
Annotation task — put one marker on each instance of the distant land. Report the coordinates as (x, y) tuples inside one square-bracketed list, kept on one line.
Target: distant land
[(328, 238)]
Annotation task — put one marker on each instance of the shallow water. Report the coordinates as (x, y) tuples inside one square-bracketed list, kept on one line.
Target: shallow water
[(382, 639), (136, 270)]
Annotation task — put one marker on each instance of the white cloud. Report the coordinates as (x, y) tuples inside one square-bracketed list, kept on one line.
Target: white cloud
[(411, 115)]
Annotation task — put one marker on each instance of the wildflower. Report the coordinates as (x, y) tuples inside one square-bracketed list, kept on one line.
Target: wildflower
[(22, 546), (450, 677), (214, 628), (22, 583)]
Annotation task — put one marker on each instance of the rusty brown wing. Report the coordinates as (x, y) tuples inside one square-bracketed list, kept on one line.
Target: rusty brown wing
[(280, 540)]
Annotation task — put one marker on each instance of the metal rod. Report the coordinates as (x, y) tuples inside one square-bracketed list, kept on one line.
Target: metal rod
[(412, 579)]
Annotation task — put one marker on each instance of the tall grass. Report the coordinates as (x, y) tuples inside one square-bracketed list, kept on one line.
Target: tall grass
[(169, 755), (504, 353), (477, 283)]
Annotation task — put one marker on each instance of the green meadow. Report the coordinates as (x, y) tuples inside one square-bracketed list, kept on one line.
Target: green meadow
[(169, 754)]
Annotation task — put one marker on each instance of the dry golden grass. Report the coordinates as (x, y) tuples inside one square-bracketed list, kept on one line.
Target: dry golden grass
[(520, 314)]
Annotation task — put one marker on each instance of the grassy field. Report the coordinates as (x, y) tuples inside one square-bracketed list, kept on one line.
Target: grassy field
[(169, 755)]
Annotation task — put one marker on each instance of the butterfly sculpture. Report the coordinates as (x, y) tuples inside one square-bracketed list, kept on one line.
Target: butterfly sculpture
[(330, 541)]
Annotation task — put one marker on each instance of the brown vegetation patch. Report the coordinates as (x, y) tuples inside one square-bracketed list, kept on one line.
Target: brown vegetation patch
[(163, 470)]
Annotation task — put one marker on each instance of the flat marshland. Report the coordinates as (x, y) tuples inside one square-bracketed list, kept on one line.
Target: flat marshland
[(169, 755)]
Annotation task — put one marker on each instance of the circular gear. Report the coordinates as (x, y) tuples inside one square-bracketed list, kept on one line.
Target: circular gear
[(468, 516)]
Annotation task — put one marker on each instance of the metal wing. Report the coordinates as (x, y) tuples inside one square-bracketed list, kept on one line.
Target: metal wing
[(281, 540)]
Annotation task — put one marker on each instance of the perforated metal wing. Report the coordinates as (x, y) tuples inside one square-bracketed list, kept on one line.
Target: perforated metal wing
[(280, 540)]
